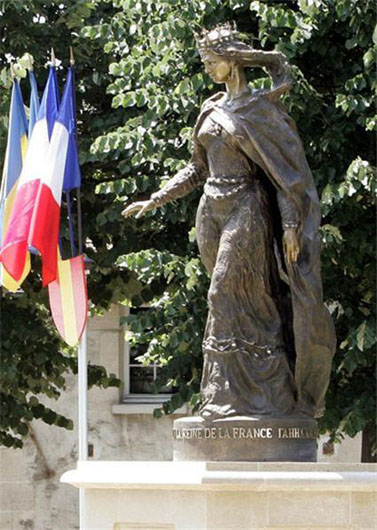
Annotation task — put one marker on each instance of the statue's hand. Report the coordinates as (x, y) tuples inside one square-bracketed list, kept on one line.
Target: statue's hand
[(291, 246), (141, 207)]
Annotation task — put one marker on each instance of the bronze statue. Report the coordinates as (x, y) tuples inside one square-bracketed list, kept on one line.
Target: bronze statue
[(269, 339)]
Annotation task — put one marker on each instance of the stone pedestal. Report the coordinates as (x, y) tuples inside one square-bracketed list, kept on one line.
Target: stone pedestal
[(246, 439), (226, 496)]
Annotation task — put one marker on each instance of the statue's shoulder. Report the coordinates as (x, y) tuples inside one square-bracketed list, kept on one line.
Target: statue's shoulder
[(260, 102), (207, 104)]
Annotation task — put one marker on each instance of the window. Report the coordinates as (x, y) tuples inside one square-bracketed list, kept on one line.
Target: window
[(138, 379)]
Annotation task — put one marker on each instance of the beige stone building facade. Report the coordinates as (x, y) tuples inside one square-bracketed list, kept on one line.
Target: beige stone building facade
[(121, 427)]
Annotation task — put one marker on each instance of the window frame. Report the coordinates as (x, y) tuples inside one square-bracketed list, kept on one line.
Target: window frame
[(128, 397)]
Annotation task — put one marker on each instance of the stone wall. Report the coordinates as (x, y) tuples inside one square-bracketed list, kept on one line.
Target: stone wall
[(31, 496)]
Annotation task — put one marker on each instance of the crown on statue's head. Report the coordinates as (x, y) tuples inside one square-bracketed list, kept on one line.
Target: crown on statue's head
[(209, 39)]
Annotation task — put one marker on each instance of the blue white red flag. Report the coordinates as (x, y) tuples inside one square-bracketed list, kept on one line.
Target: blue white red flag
[(14, 250), (44, 230), (34, 102)]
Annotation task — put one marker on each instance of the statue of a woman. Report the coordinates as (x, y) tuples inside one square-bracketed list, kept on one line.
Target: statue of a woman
[(269, 339)]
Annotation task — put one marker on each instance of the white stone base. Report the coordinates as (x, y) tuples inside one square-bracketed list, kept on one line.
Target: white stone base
[(226, 496)]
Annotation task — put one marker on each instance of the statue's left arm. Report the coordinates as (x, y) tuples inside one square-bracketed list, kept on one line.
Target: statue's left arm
[(290, 224)]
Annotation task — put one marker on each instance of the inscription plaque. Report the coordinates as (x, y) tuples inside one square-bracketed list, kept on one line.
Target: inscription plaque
[(213, 433), (244, 438)]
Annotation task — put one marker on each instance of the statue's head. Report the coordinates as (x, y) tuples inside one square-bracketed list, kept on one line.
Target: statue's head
[(217, 48), (223, 53)]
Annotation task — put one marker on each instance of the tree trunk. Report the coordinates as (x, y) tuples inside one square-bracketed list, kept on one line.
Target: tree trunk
[(368, 443)]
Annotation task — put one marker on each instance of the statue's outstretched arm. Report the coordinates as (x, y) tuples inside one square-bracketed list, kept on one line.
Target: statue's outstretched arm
[(185, 181)]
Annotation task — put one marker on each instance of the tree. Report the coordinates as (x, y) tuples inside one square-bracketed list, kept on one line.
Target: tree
[(158, 80), (137, 106)]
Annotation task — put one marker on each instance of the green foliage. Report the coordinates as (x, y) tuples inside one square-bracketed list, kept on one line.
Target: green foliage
[(33, 367), (175, 290), (140, 86)]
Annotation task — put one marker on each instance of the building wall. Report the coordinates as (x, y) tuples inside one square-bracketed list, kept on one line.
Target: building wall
[(31, 496)]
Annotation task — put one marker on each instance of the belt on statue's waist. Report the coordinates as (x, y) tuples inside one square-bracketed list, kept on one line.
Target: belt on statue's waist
[(226, 186), (228, 180)]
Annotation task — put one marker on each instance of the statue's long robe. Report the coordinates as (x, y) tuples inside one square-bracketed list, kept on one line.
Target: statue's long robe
[(268, 136)]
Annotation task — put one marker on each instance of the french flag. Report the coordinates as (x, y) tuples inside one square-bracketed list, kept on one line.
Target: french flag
[(14, 248), (44, 229)]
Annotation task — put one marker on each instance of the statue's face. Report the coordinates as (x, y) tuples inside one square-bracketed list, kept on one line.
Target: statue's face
[(216, 67)]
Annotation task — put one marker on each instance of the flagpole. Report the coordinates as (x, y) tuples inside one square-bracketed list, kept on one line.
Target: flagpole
[(82, 366), (83, 414)]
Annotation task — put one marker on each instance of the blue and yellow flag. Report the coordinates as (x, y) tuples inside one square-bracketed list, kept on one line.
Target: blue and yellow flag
[(14, 156)]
